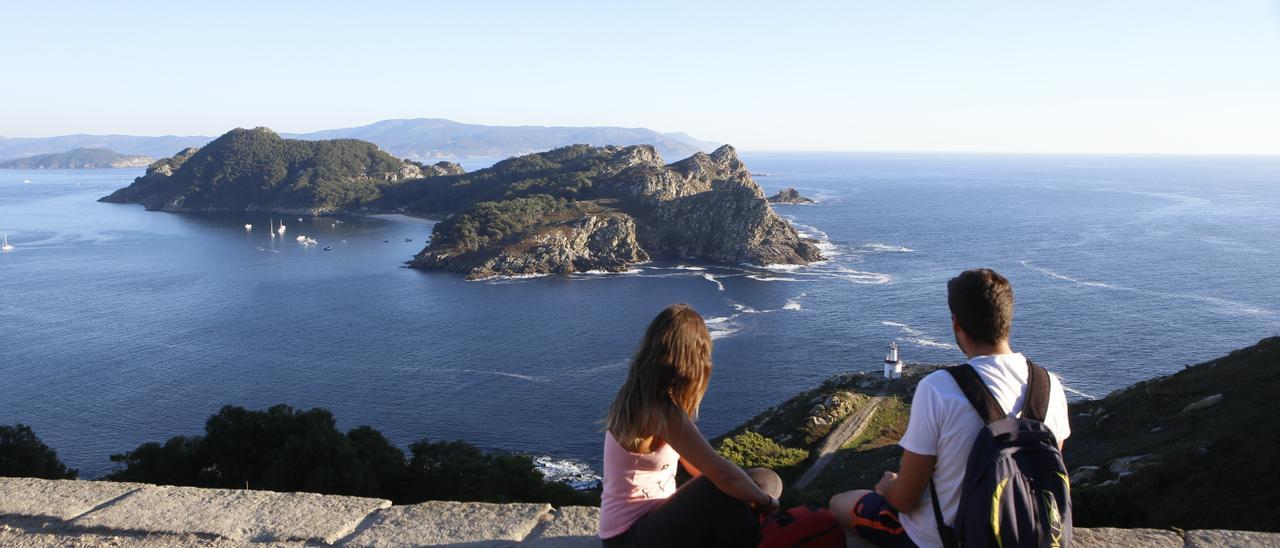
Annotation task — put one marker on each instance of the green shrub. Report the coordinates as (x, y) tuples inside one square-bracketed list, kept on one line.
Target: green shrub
[(751, 450)]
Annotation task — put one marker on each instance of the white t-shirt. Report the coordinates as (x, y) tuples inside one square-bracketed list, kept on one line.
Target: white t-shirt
[(944, 424)]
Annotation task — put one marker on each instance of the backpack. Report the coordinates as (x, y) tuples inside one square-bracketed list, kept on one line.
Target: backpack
[(807, 526), (1016, 491)]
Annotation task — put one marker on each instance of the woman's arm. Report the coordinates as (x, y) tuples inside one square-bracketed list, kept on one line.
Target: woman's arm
[(694, 450), (689, 467)]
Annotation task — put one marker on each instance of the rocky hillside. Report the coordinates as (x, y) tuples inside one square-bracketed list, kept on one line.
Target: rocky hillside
[(80, 158), (257, 170), (1207, 433), (584, 208)]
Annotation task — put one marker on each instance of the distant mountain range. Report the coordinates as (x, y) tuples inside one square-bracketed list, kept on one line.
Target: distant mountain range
[(80, 158), (416, 139)]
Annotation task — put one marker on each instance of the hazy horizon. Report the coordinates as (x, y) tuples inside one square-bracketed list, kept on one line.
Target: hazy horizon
[(1144, 77)]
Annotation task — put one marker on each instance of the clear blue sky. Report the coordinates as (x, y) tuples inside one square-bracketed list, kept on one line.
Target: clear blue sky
[(1131, 76)]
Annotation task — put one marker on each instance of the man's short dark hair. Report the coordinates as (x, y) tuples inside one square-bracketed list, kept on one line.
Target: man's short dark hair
[(982, 302)]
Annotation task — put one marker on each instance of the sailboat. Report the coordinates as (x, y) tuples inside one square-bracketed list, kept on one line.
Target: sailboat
[(271, 227), (6, 246), (281, 229)]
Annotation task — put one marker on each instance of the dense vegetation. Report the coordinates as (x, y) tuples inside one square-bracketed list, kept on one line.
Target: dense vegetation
[(488, 222), (283, 449), (79, 158), (567, 173), (22, 454), (258, 168)]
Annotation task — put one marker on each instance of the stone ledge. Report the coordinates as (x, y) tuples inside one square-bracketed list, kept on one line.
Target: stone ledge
[(37, 513)]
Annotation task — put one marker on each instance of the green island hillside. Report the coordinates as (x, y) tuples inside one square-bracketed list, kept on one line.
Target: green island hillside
[(573, 209), (1191, 450), (80, 158)]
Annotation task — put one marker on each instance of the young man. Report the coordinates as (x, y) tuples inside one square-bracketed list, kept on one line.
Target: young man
[(943, 424)]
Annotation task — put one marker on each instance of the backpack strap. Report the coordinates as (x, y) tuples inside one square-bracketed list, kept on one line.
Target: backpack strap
[(979, 395), (946, 534), (1036, 406)]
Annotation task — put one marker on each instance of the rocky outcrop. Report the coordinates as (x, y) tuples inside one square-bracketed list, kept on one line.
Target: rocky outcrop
[(704, 207), (601, 243), (789, 196)]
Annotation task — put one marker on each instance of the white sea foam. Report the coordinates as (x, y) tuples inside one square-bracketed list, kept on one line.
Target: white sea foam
[(1077, 392), (887, 248), (722, 326), (629, 271), (1225, 306), (688, 267), (712, 279), (783, 267), (529, 378), (861, 277), (576, 474), (792, 304), (601, 368), (917, 337), (758, 277), (1064, 277)]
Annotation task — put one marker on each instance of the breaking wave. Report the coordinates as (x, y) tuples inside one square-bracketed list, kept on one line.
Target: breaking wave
[(575, 473)]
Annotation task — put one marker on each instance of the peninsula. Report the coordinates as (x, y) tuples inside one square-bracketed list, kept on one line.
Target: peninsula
[(573, 209), (80, 158)]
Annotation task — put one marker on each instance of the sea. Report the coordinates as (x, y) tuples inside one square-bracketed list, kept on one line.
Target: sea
[(120, 326)]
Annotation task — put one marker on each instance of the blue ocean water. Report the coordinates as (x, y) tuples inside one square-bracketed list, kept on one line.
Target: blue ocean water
[(120, 326)]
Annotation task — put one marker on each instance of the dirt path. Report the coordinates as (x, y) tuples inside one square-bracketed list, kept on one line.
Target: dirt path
[(849, 429)]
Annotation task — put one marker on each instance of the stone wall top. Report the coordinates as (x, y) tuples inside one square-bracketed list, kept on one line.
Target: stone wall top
[(38, 513)]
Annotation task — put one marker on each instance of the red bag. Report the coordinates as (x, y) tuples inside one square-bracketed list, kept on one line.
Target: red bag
[(807, 526)]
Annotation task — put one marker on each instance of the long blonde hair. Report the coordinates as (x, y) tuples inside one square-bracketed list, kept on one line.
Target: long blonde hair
[(671, 368)]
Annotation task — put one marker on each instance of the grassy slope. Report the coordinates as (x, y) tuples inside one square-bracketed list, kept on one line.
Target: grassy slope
[(1219, 467)]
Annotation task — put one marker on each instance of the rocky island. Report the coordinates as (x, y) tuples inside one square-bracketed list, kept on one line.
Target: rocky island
[(80, 158), (573, 209), (790, 196)]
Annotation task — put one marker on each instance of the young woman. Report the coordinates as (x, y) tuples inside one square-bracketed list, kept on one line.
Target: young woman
[(650, 429)]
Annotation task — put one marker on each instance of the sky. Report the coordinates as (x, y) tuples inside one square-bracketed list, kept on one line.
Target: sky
[(1134, 76)]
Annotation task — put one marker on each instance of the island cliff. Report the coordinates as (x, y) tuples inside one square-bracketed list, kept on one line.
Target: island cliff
[(573, 209)]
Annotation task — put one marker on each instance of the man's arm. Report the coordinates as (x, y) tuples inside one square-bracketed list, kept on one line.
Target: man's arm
[(905, 489)]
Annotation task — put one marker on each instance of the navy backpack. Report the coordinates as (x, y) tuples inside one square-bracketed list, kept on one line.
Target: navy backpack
[(1016, 491)]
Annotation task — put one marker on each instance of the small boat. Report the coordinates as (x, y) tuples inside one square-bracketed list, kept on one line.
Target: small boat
[(299, 219), (337, 221), (6, 246), (408, 239), (271, 227), (281, 229), (26, 181), (386, 241), (328, 248), (248, 226), (301, 239)]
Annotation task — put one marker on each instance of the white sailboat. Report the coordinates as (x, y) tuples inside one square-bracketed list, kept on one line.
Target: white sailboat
[(281, 229), (248, 227), (6, 246), (271, 227)]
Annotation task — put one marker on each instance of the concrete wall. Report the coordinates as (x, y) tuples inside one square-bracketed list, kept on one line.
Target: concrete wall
[(38, 513)]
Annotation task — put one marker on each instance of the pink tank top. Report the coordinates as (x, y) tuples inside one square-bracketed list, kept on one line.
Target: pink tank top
[(634, 483)]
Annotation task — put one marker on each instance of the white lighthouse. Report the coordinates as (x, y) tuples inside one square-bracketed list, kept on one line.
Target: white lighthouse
[(892, 365)]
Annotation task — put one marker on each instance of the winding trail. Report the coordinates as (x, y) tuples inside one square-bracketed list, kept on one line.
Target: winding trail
[(850, 428)]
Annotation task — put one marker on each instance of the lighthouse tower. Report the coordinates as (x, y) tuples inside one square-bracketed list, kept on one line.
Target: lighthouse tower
[(892, 365)]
